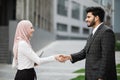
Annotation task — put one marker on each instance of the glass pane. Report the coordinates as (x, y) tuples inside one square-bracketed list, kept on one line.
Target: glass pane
[(75, 10), (75, 29), (62, 27), (85, 31), (62, 7)]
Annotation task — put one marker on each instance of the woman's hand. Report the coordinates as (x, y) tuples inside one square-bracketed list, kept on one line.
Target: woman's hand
[(62, 58)]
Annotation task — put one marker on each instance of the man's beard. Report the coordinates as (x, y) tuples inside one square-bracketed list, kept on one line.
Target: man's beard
[(92, 23)]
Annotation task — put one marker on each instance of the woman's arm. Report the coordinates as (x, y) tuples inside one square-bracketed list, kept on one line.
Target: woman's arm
[(28, 52)]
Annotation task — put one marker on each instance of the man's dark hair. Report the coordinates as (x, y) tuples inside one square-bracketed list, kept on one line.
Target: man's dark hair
[(97, 11)]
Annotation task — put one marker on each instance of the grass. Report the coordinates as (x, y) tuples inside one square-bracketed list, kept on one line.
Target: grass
[(80, 71), (81, 77)]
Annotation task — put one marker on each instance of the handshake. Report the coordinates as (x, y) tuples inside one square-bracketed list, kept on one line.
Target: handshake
[(63, 58)]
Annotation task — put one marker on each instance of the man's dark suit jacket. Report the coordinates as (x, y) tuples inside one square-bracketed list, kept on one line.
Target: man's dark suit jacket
[(100, 55)]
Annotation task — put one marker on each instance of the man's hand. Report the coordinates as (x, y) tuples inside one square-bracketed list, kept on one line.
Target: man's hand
[(100, 79), (63, 58)]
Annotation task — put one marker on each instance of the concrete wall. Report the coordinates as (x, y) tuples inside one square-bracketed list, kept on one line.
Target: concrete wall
[(117, 16), (40, 38), (12, 27), (4, 44), (117, 19)]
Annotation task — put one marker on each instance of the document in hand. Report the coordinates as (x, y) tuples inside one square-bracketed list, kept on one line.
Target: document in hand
[(41, 54)]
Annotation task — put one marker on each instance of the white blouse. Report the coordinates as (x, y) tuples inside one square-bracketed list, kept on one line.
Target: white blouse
[(27, 57)]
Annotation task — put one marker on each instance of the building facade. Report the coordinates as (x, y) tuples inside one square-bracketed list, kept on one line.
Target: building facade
[(39, 12), (69, 18), (64, 18), (7, 12)]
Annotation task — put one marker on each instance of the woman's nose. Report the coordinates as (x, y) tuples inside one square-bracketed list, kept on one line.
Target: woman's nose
[(33, 30)]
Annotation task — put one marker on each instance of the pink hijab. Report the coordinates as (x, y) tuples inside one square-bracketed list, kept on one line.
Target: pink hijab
[(22, 33)]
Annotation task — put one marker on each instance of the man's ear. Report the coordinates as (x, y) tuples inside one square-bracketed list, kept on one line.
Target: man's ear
[(96, 18)]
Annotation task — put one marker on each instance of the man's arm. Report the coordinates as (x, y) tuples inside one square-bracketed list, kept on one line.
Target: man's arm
[(78, 56), (72, 57)]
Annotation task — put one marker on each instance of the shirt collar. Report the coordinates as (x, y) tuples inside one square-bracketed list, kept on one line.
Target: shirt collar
[(95, 29)]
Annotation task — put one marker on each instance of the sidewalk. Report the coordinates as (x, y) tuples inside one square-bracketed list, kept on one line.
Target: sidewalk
[(54, 70)]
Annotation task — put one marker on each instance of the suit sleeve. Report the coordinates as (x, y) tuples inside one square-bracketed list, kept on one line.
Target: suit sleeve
[(78, 56), (108, 49)]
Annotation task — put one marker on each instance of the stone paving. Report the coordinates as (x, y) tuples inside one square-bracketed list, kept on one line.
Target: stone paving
[(54, 70)]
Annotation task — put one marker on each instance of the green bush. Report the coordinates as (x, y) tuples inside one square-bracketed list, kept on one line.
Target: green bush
[(118, 68), (117, 46)]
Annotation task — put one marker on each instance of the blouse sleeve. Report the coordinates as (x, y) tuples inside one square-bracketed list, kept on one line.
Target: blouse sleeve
[(25, 49)]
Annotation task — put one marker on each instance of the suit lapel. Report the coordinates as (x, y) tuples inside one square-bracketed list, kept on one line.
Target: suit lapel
[(98, 30), (91, 38)]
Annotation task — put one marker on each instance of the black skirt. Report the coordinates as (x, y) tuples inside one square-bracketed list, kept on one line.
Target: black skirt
[(26, 74)]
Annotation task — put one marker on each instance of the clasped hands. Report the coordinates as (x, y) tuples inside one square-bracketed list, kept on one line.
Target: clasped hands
[(62, 58)]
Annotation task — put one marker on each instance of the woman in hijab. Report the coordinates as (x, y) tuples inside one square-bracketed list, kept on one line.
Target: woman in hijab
[(24, 57)]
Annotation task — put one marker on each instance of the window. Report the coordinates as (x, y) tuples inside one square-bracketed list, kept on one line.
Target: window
[(75, 29), (85, 31), (62, 7), (106, 3), (103, 2), (84, 13), (75, 10), (97, 1), (62, 27)]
